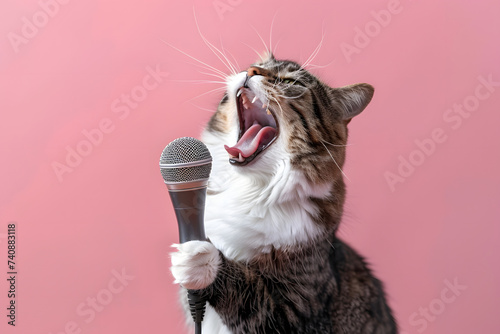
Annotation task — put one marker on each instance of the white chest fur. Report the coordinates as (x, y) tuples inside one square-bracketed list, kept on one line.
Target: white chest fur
[(212, 323), (249, 211)]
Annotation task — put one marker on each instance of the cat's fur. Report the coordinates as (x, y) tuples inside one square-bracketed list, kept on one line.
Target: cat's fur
[(274, 263)]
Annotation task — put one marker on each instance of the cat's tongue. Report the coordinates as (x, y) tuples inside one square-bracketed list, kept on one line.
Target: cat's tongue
[(254, 137)]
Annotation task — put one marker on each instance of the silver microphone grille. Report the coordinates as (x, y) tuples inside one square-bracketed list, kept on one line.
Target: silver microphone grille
[(185, 159)]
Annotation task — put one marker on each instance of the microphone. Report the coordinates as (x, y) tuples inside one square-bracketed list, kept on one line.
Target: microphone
[(185, 165)]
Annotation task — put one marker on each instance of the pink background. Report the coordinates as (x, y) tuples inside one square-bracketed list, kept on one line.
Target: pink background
[(112, 212)]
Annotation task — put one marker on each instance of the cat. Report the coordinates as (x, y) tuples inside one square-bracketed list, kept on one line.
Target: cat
[(273, 262)]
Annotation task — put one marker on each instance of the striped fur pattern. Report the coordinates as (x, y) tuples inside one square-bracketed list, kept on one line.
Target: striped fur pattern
[(274, 263)]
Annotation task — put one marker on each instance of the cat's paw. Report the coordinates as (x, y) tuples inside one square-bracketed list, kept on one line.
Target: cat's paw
[(195, 264)]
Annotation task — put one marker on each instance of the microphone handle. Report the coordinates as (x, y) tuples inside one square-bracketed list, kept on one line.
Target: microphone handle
[(189, 206)]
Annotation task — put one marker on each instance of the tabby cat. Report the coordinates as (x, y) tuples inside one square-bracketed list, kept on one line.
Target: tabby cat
[(273, 262)]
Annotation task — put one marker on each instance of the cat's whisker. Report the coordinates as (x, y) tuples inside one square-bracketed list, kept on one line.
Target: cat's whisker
[(232, 56), (313, 66), (211, 72), (275, 82), (261, 39), (209, 92), (214, 49), (300, 76), (201, 108), (194, 58), (315, 52), (324, 141), (277, 79), (201, 81), (334, 161), (276, 47), (271, 34), (256, 52), (277, 102), (215, 75)]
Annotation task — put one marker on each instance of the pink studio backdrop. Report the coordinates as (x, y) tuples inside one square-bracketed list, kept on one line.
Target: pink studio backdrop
[(94, 230)]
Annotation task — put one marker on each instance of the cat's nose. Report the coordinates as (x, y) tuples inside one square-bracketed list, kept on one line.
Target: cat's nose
[(254, 70)]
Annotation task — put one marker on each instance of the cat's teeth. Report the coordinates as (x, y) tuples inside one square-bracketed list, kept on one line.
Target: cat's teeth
[(268, 112), (238, 157), (254, 98), (264, 106), (239, 93)]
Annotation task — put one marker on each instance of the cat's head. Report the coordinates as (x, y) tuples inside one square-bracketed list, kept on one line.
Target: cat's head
[(278, 110)]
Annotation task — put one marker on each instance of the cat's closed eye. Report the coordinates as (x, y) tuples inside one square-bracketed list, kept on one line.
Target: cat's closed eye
[(291, 81)]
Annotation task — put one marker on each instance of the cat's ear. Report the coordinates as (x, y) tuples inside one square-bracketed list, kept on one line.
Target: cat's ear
[(352, 99)]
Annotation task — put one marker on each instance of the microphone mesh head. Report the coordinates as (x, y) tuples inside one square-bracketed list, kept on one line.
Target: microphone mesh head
[(185, 150)]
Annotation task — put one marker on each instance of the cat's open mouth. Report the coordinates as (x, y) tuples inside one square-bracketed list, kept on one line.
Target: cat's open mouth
[(258, 128)]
